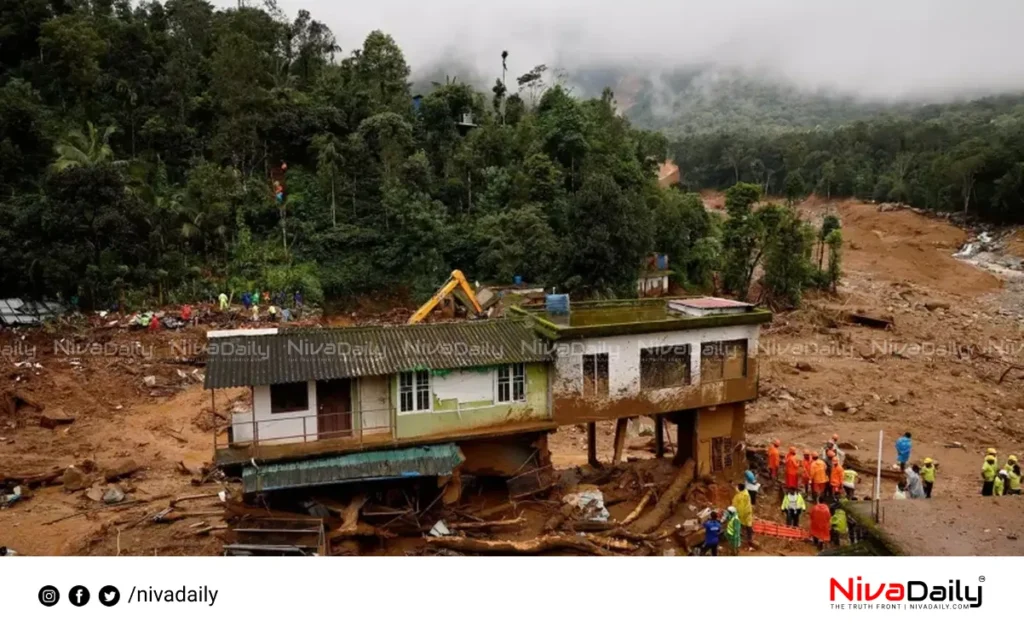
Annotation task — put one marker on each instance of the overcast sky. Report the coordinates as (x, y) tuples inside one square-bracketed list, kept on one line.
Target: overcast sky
[(871, 48)]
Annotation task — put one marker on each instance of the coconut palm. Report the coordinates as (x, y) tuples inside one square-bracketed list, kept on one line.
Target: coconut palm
[(85, 150)]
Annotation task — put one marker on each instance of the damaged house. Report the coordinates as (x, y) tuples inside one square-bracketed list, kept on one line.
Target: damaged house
[(341, 405)]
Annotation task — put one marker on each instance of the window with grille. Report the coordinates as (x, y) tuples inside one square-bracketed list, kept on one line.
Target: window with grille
[(288, 397), (662, 367), (414, 391), (721, 454), (512, 383), (595, 374)]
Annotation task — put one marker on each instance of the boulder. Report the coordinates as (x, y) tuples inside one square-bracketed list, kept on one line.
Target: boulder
[(804, 366), (842, 406), (75, 479), (121, 469), (114, 494), (52, 417), (936, 305), (149, 381)]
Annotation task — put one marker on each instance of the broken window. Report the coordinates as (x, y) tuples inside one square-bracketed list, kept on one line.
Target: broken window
[(414, 391), (595, 374), (512, 383), (662, 367), (288, 397), (721, 454)]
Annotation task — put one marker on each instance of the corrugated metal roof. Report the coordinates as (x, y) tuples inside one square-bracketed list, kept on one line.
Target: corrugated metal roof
[(419, 461), (19, 312), (713, 302), (294, 355)]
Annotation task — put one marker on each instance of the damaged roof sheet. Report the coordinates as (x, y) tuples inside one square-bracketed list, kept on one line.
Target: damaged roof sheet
[(294, 355), (418, 461), (19, 312)]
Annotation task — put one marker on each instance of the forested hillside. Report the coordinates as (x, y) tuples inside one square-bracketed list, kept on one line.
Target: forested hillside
[(143, 146)]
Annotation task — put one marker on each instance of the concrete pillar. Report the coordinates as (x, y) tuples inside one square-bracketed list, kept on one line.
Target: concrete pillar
[(621, 432), (592, 444)]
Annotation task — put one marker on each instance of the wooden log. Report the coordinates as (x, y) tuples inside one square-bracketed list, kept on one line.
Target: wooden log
[(206, 495), (35, 479), (486, 525), (621, 431), (537, 545), (635, 514), (558, 519), (608, 543), (663, 509)]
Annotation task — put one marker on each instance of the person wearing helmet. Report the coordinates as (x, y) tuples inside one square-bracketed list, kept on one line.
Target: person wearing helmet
[(835, 478), (819, 478), (1011, 461), (850, 482), (773, 460), (988, 475), (833, 445), (840, 528), (733, 529), (792, 469), (793, 505), (1013, 480), (805, 472), (745, 512), (928, 476), (999, 487), (821, 525)]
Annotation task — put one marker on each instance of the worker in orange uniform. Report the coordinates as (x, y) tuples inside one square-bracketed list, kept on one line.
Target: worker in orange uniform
[(793, 467), (819, 477), (805, 474), (821, 525), (773, 460), (836, 478)]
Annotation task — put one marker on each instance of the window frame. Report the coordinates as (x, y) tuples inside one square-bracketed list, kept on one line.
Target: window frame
[(419, 384), (721, 454), (666, 351), (596, 360), (279, 411), (509, 377)]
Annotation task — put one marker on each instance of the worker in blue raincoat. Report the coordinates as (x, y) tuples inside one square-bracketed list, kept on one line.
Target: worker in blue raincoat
[(903, 446)]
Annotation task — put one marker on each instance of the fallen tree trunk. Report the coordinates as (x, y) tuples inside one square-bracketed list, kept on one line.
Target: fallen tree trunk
[(486, 525), (36, 479), (635, 514), (558, 519), (663, 509), (537, 545)]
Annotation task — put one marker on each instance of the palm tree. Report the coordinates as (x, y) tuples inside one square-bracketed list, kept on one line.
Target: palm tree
[(85, 150)]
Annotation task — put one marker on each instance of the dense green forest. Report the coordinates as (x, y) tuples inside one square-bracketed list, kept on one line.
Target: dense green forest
[(143, 146), (966, 157)]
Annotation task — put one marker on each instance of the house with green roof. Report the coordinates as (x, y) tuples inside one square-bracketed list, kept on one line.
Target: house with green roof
[(484, 394)]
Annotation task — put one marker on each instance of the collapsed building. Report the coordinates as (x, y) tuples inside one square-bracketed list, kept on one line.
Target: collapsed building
[(479, 398)]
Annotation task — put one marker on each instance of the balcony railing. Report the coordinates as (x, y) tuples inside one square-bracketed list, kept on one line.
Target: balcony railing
[(246, 432)]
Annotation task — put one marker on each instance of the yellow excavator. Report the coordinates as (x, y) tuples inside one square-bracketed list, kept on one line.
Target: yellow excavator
[(456, 280)]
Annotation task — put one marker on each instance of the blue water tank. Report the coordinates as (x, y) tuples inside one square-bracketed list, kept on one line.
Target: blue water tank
[(662, 262), (557, 304)]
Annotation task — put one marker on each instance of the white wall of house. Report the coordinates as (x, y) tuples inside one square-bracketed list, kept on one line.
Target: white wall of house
[(465, 386), (652, 285), (624, 356), (276, 428)]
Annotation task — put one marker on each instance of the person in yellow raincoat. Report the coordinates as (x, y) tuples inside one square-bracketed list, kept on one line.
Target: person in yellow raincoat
[(745, 512), (840, 527), (988, 475), (733, 530), (999, 485), (928, 476)]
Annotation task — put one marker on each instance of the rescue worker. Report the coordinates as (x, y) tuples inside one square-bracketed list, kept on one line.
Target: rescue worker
[(254, 296), (246, 300), (805, 472), (792, 469), (255, 312), (901, 491), (793, 505), (830, 457), (850, 482), (836, 478), (223, 299), (1011, 461), (988, 475), (745, 512), (840, 527), (712, 532), (821, 525), (903, 446), (914, 485), (818, 477), (753, 486), (773, 460), (733, 529), (1013, 480), (186, 314), (999, 486), (833, 445), (994, 453), (272, 313), (928, 476)]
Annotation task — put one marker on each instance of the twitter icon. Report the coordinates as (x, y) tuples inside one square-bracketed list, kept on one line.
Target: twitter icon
[(109, 596)]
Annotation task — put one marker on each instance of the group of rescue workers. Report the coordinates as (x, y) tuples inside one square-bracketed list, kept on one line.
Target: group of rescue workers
[(996, 481), (821, 476)]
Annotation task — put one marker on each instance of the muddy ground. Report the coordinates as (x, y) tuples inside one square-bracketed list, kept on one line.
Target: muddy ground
[(945, 371)]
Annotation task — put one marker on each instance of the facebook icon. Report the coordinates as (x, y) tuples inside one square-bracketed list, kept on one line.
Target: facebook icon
[(78, 596)]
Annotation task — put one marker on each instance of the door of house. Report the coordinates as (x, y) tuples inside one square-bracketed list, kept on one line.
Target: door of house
[(334, 408)]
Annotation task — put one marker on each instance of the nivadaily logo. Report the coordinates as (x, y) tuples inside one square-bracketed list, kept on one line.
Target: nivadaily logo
[(913, 594)]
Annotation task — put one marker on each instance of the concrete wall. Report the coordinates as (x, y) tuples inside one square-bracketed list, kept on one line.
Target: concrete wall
[(465, 399), (625, 397), (717, 422), (276, 428)]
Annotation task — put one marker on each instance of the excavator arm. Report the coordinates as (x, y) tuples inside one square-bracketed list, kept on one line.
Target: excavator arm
[(456, 280)]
